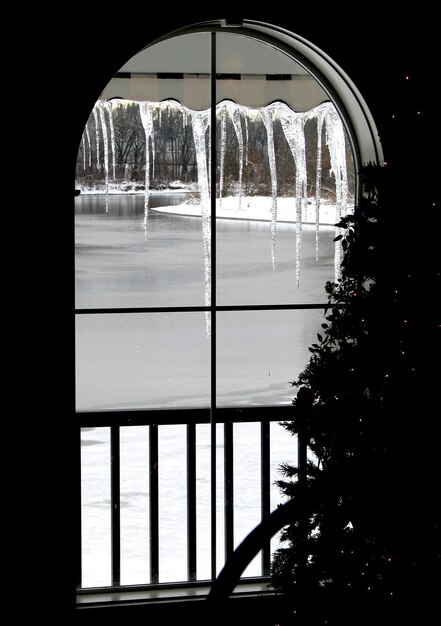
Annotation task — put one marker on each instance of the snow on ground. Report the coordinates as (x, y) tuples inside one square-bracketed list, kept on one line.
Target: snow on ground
[(257, 208)]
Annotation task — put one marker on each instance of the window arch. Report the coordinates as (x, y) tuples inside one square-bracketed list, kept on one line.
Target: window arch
[(194, 317)]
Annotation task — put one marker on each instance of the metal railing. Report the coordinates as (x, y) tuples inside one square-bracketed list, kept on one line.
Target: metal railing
[(114, 421)]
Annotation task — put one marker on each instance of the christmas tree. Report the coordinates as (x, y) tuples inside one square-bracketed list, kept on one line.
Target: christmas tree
[(365, 547)]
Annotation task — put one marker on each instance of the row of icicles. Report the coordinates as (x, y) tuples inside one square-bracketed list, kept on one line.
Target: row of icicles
[(293, 127)]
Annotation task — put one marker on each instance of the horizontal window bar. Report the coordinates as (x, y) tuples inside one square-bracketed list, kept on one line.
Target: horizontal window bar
[(115, 310), (184, 309)]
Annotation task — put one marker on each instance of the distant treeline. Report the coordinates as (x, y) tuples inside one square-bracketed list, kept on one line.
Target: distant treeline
[(114, 143)]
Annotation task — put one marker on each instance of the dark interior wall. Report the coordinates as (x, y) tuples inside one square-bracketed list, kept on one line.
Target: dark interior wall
[(374, 48), (73, 55)]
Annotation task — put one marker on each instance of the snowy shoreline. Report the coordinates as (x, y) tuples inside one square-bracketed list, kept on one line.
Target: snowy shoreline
[(257, 209), (251, 208)]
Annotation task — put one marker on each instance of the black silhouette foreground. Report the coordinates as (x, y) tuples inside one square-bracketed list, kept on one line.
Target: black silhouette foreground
[(361, 534)]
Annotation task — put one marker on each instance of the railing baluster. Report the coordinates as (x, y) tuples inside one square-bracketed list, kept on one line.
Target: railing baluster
[(229, 488), (154, 504), (115, 514), (78, 536), (265, 487), (191, 501)]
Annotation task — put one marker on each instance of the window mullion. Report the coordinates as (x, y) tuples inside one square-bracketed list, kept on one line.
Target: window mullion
[(213, 301)]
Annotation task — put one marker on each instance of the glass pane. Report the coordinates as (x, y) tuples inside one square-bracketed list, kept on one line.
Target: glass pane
[(138, 172), (284, 178), (254, 74), (177, 68), (118, 264), (131, 361), (260, 353), (246, 274)]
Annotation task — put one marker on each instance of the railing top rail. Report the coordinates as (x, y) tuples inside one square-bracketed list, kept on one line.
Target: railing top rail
[(146, 417)]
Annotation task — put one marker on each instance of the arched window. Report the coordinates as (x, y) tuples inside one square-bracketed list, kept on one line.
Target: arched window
[(211, 174)]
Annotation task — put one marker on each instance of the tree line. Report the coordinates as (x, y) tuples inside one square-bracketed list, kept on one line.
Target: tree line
[(173, 154)]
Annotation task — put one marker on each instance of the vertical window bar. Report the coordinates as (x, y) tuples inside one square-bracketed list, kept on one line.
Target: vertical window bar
[(115, 504), (229, 489), (191, 501), (154, 503), (265, 486), (213, 303), (78, 536)]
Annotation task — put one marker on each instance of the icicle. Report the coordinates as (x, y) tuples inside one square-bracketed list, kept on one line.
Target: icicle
[(318, 183), (112, 135), (209, 157), (145, 111), (267, 116), (88, 145), (84, 152), (106, 150), (233, 112), (222, 149), (293, 125), (95, 116), (200, 123), (158, 111), (238, 128), (246, 140)]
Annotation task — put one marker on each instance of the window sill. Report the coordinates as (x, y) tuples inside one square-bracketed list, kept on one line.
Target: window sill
[(164, 594)]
